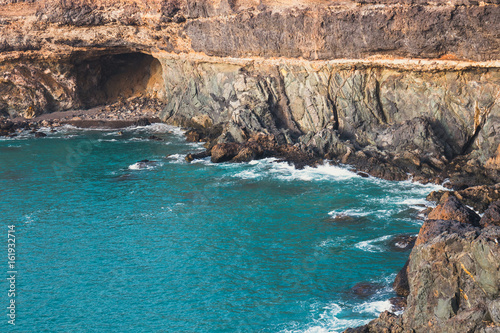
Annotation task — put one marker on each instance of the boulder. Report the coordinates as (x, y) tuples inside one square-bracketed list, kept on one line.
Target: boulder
[(402, 242), (452, 209), (245, 155), (224, 152), (491, 216), (365, 289)]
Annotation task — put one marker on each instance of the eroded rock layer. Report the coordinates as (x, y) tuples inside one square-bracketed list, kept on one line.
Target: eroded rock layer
[(396, 88)]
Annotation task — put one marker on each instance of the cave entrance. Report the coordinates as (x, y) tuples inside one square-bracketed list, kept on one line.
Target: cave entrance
[(112, 78)]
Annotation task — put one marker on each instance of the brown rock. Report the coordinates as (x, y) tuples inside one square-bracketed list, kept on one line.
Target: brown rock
[(224, 152), (192, 136), (365, 289), (401, 285), (245, 155), (491, 215), (452, 209), (398, 303), (433, 228)]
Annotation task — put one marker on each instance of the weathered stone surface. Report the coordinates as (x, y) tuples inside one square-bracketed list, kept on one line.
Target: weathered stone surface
[(479, 197), (452, 209), (224, 152), (453, 274), (365, 289), (387, 322), (401, 285), (491, 215)]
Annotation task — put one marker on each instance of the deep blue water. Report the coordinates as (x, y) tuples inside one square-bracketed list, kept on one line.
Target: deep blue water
[(103, 246)]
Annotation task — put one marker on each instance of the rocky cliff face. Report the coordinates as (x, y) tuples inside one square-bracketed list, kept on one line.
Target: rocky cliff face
[(346, 84), (452, 275), (395, 88)]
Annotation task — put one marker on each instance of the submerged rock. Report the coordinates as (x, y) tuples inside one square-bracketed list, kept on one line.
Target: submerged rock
[(402, 242), (154, 138), (365, 289)]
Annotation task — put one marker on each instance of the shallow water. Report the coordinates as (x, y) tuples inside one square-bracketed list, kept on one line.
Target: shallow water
[(107, 245)]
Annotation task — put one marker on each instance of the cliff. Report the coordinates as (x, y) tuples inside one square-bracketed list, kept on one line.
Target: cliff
[(396, 88), (410, 87)]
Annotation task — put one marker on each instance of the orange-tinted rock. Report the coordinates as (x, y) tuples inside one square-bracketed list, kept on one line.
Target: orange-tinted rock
[(452, 209)]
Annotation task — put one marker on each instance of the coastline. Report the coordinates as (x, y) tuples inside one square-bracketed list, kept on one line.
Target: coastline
[(397, 90)]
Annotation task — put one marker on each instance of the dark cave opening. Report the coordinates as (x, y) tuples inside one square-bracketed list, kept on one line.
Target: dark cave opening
[(115, 77)]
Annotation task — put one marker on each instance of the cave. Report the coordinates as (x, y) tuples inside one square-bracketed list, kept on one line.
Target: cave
[(110, 78)]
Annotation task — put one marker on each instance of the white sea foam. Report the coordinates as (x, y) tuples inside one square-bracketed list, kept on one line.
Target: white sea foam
[(177, 158), (144, 165), (326, 322), (358, 212), (374, 308), (157, 128), (334, 242), (205, 161), (287, 172), (370, 245)]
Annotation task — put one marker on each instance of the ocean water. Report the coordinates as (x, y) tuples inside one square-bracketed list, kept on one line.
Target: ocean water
[(106, 244)]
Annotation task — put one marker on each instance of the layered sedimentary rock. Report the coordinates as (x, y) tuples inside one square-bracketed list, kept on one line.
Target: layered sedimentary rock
[(395, 88), (339, 79)]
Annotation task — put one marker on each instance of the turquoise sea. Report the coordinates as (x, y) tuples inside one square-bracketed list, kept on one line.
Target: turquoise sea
[(105, 244)]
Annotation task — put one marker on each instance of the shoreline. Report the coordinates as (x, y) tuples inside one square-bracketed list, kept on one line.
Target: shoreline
[(90, 119)]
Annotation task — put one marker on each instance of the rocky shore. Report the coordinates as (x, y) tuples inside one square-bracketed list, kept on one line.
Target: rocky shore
[(451, 279), (397, 89)]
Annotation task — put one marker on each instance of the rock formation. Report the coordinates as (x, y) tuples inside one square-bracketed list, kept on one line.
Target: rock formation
[(396, 88), (451, 280)]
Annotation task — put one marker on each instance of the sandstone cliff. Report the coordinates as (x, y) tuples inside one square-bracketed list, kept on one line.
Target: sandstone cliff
[(412, 86)]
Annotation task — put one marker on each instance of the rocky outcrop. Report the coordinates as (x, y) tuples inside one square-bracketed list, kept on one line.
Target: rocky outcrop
[(478, 197), (398, 89), (452, 277), (382, 110), (408, 122), (452, 209)]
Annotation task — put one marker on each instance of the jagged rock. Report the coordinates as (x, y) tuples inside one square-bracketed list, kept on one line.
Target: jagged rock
[(479, 197), (452, 209), (401, 285), (398, 303), (245, 155), (453, 276), (402, 242), (224, 152), (387, 322), (40, 135), (191, 157), (491, 215), (415, 134), (365, 289), (142, 122)]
